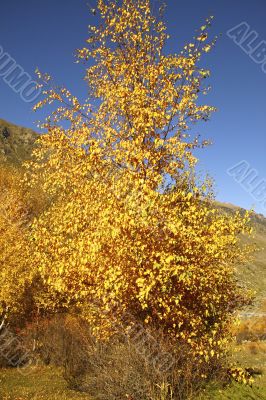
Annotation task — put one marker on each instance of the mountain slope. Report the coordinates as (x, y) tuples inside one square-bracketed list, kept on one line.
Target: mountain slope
[(16, 142), (253, 275)]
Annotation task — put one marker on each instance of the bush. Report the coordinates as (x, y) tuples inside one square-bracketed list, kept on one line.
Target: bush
[(138, 366), (141, 365), (61, 341), (121, 369)]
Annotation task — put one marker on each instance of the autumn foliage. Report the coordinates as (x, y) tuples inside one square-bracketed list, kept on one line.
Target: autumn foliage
[(13, 242), (129, 225)]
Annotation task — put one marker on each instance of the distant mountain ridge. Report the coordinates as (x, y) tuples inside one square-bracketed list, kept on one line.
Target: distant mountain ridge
[(16, 142), (231, 208)]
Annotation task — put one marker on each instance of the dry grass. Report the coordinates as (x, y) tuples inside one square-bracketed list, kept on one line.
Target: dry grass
[(122, 368), (252, 329)]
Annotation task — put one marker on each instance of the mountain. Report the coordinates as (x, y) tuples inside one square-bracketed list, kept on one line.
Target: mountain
[(16, 142), (253, 275)]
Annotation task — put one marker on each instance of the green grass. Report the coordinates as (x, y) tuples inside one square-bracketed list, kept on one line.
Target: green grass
[(235, 392), (42, 383), (244, 357)]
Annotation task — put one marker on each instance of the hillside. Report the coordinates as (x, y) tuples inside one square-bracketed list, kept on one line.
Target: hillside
[(16, 142), (253, 275)]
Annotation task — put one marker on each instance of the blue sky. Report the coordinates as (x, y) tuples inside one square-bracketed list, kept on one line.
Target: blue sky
[(45, 34)]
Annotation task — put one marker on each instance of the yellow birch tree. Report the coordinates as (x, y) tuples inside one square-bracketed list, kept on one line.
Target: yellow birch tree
[(130, 227)]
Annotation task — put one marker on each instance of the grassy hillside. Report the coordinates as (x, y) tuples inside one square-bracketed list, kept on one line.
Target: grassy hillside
[(253, 275), (16, 142)]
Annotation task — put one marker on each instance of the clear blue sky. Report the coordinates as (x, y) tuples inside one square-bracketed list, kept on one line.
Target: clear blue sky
[(45, 33)]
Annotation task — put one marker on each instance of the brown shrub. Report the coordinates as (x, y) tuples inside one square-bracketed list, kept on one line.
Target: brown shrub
[(143, 366)]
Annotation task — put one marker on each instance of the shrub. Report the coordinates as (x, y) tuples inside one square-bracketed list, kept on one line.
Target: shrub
[(145, 364), (119, 370), (62, 341)]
